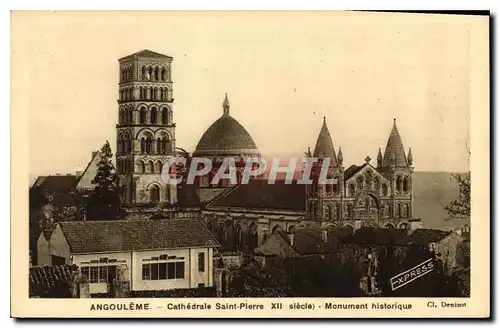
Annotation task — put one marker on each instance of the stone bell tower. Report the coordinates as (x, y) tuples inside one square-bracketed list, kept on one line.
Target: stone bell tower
[(145, 129)]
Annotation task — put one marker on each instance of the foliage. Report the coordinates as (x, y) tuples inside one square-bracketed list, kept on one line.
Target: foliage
[(104, 203), (460, 207)]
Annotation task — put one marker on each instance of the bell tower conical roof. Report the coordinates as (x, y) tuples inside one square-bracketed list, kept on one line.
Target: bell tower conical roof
[(324, 145), (394, 150)]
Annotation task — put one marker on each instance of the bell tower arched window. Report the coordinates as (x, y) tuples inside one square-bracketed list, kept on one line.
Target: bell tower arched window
[(154, 114), (164, 115), (149, 145), (142, 118)]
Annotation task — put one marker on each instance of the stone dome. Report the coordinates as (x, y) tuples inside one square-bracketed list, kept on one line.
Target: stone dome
[(226, 136)]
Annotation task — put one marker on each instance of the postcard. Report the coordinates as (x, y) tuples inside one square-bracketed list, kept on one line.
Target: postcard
[(250, 165)]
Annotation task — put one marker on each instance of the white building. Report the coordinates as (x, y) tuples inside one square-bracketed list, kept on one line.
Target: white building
[(160, 254)]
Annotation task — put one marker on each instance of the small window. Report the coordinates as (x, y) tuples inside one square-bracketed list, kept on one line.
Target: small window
[(163, 271), (179, 270), (154, 271), (201, 262), (146, 272), (171, 270), (103, 274)]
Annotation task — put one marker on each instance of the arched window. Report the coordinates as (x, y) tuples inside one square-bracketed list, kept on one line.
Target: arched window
[(140, 167), (163, 74), (407, 210), (335, 185), (158, 167), (337, 212), (119, 146), (164, 115), (154, 114), (349, 211), (398, 183), (129, 144), (155, 194), (130, 115), (141, 93), (143, 146), (119, 165), (384, 189), (121, 117), (369, 179), (359, 181), (376, 181), (159, 146), (163, 145), (405, 184), (352, 189), (398, 210), (328, 212), (157, 73), (143, 72), (150, 73), (149, 145), (150, 168), (143, 115)]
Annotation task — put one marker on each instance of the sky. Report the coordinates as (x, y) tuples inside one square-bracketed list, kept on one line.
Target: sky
[(283, 73)]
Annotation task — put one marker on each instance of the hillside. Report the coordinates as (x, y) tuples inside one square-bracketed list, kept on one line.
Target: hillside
[(433, 190)]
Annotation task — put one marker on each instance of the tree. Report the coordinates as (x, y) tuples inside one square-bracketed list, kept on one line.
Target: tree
[(104, 202), (460, 207)]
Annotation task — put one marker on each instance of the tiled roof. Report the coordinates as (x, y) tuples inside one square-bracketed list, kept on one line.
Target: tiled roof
[(136, 235), (379, 236), (352, 170), (50, 281), (426, 236), (56, 183), (259, 194), (324, 145)]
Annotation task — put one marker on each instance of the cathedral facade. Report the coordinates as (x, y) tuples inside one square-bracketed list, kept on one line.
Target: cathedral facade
[(242, 216)]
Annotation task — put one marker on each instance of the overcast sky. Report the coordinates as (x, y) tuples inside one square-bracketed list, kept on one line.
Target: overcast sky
[(283, 73)]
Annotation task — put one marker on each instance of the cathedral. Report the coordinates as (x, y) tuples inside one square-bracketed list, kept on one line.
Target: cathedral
[(242, 216)]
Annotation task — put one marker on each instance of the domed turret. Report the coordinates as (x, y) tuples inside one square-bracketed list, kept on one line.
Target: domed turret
[(226, 137)]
